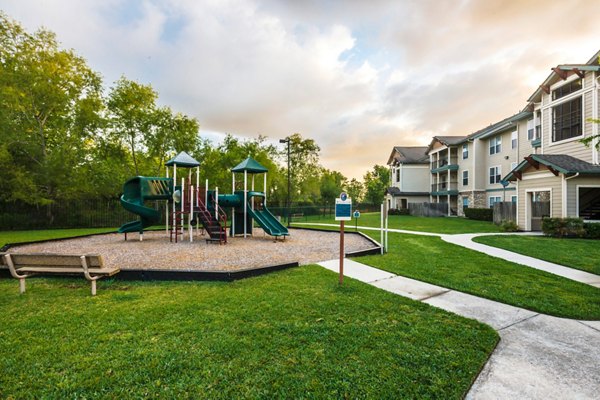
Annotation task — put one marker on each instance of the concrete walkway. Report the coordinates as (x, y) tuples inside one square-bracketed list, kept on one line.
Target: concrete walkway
[(466, 240), (538, 357)]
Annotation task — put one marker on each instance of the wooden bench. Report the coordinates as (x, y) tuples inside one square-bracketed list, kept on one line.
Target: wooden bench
[(297, 216), (22, 266)]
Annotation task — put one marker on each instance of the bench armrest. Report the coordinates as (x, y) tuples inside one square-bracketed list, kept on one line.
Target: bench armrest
[(86, 270), (11, 267)]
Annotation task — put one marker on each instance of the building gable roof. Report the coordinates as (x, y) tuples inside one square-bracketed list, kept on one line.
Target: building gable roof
[(556, 163), (591, 65), (409, 155)]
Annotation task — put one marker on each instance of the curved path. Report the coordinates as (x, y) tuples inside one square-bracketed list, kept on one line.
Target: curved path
[(538, 357)]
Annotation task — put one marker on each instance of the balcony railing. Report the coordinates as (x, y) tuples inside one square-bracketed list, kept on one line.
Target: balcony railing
[(442, 162), (444, 186)]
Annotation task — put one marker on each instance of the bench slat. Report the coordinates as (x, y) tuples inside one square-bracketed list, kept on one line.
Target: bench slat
[(68, 270), (55, 260)]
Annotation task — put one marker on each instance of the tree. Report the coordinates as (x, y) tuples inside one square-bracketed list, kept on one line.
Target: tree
[(355, 189), (50, 111), (132, 108), (331, 185), (376, 182), (594, 139), (304, 168)]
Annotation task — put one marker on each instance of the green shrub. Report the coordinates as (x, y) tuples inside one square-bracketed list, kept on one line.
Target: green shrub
[(563, 227), (592, 230), (480, 214), (508, 226), (398, 211)]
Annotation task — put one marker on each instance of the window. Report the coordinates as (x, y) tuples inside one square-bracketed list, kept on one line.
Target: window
[(493, 200), (566, 89), (398, 175), (465, 202), (495, 174), (495, 145), (513, 140), (465, 151), (566, 120), (513, 199), (530, 130), (465, 176)]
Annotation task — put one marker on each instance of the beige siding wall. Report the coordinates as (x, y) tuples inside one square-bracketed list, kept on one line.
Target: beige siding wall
[(503, 159), (572, 192), (414, 178), (587, 113), (477, 172), (543, 182), (589, 79), (525, 148), (465, 165)]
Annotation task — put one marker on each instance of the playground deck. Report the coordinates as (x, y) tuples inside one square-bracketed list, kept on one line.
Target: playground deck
[(156, 252)]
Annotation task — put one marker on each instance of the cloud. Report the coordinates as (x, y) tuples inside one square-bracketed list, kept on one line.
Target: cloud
[(358, 77)]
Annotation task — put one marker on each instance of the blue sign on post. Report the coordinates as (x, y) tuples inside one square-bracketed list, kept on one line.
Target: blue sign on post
[(343, 210)]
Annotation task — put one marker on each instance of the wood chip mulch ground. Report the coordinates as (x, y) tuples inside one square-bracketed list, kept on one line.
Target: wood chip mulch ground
[(156, 252)]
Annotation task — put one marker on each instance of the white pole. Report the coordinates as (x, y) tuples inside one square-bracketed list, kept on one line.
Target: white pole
[(206, 194), (191, 227), (386, 232), (252, 200), (245, 201), (382, 244), (265, 190), (197, 195), (174, 184), (167, 209), (217, 203), (232, 208), (182, 203)]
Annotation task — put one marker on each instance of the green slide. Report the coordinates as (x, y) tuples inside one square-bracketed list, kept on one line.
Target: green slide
[(135, 191), (268, 222)]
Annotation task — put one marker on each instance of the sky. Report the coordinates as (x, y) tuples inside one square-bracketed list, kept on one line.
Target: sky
[(358, 77)]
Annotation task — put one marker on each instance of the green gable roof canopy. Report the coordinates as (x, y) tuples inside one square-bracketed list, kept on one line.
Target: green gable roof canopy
[(251, 166), (183, 159)]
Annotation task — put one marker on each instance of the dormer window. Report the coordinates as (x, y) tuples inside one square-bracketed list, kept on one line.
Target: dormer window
[(566, 89)]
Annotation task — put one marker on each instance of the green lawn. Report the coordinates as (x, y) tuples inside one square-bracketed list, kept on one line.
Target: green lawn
[(435, 225), (583, 254), (33, 236), (432, 260), (291, 334)]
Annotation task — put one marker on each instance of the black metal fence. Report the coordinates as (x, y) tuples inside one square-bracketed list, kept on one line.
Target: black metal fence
[(108, 213)]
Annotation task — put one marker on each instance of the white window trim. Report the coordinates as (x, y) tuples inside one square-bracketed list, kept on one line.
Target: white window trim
[(499, 167), (493, 197), (528, 211), (496, 138), (572, 139), (577, 197)]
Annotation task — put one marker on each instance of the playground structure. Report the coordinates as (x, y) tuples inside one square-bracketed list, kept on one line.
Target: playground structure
[(199, 206)]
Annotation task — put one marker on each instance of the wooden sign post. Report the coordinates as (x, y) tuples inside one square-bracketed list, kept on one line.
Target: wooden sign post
[(343, 212)]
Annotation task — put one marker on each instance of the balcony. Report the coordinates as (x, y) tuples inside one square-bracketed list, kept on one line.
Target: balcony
[(443, 164), (444, 188)]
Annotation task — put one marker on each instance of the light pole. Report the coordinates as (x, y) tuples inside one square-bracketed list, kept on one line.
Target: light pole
[(287, 140)]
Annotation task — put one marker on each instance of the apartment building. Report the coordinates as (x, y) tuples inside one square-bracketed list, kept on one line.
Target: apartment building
[(409, 168), (534, 158), (564, 173)]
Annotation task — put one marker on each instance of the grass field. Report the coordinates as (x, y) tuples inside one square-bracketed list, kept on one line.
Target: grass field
[(291, 334), (435, 225), (432, 260), (33, 236), (583, 254)]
